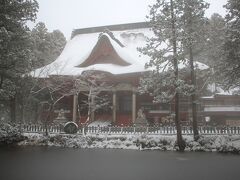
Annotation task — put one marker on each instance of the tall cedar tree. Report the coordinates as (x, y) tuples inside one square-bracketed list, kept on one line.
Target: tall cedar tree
[(215, 29), (193, 27), (47, 46), (165, 51), (229, 66), (14, 46)]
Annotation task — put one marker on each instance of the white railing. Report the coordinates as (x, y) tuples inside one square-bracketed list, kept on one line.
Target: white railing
[(38, 128), (161, 130), (154, 130)]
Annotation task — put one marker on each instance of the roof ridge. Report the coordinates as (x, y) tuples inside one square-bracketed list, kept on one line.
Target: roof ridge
[(108, 32), (116, 27)]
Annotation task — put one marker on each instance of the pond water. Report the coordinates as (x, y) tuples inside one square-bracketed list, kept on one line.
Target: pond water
[(42, 163)]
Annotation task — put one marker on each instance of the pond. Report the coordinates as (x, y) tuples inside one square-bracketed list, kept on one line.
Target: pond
[(43, 163)]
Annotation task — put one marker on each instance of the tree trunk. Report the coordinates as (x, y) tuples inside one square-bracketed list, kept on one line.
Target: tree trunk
[(37, 110), (1, 81), (180, 142), (89, 106), (20, 107), (48, 118), (193, 96), (93, 108), (13, 109), (193, 77)]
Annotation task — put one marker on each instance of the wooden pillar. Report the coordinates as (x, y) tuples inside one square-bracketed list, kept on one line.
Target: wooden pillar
[(92, 107), (114, 110), (133, 106), (75, 104)]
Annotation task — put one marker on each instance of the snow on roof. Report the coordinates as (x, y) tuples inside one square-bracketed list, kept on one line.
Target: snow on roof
[(222, 109), (80, 47), (207, 97), (220, 91), (232, 91), (74, 52)]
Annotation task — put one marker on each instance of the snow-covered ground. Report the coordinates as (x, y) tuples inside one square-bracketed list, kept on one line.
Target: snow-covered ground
[(210, 143), (213, 143)]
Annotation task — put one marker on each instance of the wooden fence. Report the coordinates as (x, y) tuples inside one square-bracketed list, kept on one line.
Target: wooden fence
[(157, 130), (35, 128)]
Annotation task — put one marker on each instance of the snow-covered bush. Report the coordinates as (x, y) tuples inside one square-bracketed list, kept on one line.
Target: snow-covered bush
[(57, 140), (211, 143), (9, 134)]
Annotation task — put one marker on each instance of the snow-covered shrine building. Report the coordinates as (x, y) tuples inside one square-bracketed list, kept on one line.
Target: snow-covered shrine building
[(111, 50), (114, 53)]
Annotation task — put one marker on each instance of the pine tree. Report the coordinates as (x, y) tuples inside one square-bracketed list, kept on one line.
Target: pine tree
[(229, 66), (58, 42), (215, 32), (47, 46), (165, 51), (193, 28), (15, 48), (179, 29), (41, 44)]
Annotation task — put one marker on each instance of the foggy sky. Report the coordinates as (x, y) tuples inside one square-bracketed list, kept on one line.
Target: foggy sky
[(67, 15)]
